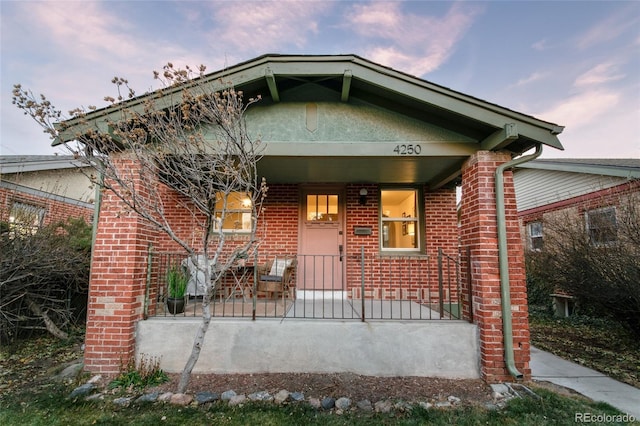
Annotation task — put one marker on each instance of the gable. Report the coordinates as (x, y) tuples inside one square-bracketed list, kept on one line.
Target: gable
[(367, 117), (304, 122)]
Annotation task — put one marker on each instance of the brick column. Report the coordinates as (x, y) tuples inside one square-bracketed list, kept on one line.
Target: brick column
[(479, 232), (117, 284)]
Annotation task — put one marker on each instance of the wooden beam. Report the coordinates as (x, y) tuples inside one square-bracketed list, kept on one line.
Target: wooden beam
[(346, 85), (500, 138), (271, 83), (445, 177)]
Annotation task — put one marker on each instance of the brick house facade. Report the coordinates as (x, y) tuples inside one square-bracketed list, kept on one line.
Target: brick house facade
[(339, 126), (50, 186), (572, 188)]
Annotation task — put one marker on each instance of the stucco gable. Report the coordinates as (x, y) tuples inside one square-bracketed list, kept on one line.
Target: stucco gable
[(339, 122)]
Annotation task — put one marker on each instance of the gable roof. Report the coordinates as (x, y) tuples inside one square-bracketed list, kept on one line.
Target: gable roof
[(35, 163), (350, 79), (620, 167)]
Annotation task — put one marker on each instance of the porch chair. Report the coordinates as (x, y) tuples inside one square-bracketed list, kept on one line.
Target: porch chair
[(276, 276)]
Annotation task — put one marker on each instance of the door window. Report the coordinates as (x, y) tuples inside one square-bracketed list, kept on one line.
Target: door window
[(322, 207)]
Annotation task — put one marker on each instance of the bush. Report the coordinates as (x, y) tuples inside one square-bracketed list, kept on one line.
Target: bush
[(44, 279), (603, 278), (137, 377)]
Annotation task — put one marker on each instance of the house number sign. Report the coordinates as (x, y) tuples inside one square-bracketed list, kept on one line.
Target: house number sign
[(408, 149)]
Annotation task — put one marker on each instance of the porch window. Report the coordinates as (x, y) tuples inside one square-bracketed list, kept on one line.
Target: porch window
[(535, 235), (233, 212), (602, 226), (25, 219), (399, 220)]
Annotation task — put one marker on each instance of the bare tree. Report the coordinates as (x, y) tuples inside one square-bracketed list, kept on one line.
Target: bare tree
[(184, 137)]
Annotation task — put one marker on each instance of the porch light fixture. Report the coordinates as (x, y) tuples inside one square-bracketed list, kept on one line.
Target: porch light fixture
[(363, 196)]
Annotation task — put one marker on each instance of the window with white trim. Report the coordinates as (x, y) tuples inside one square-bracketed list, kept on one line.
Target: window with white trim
[(534, 229), (602, 226), (399, 220), (25, 219), (234, 212)]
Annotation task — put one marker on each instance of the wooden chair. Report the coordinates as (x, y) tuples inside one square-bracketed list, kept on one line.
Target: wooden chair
[(277, 276)]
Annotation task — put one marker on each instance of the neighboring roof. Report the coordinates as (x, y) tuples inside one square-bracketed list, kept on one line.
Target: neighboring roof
[(33, 163), (539, 183), (352, 80), (621, 167)]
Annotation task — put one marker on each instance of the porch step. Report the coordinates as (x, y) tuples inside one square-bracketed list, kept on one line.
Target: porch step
[(320, 295)]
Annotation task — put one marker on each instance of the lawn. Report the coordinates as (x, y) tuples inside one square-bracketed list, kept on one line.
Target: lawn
[(596, 343), (29, 397)]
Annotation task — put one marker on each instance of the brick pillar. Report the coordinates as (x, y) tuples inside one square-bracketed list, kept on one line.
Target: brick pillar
[(479, 232), (117, 284)]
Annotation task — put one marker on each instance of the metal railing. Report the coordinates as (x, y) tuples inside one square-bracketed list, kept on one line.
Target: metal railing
[(356, 286)]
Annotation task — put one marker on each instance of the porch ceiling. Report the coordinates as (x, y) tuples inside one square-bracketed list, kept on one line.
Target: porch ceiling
[(427, 170)]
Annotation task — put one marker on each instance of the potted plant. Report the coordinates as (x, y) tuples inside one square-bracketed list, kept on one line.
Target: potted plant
[(177, 281)]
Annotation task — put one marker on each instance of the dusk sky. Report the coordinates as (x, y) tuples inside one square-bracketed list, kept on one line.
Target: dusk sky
[(573, 63)]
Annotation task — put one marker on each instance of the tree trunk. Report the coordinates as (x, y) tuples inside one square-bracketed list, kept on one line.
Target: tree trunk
[(198, 341), (51, 327)]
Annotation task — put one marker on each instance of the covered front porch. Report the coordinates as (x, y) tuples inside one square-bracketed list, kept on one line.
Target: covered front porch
[(401, 287)]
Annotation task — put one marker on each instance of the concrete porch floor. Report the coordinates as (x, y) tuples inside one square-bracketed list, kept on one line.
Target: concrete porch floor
[(335, 308)]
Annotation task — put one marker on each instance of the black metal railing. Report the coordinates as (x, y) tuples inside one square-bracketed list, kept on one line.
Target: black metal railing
[(356, 286)]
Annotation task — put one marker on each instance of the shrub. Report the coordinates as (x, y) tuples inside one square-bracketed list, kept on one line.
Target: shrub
[(44, 279), (136, 377), (603, 278)]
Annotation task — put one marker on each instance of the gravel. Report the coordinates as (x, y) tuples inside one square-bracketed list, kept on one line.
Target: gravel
[(340, 385)]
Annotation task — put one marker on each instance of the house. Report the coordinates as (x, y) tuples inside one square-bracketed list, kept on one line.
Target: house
[(362, 163), (38, 190), (589, 191)]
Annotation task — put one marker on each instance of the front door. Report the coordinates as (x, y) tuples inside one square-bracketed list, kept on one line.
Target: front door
[(321, 260)]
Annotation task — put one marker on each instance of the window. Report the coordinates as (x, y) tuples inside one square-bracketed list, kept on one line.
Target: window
[(236, 216), (322, 207), (399, 220), (25, 218), (535, 235), (602, 227)]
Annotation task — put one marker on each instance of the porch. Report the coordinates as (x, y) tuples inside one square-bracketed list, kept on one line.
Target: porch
[(396, 316), (377, 287)]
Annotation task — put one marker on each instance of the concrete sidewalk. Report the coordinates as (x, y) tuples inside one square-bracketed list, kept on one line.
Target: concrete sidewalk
[(590, 383)]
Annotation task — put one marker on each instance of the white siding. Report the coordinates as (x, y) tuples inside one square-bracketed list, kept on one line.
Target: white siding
[(536, 188)]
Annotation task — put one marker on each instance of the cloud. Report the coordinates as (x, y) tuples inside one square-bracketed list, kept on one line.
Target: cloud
[(540, 45), (536, 76), (582, 109), (264, 26), (414, 43), (600, 74), (86, 29), (611, 27)]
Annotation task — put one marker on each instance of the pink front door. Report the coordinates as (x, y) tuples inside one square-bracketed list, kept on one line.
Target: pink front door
[(321, 259)]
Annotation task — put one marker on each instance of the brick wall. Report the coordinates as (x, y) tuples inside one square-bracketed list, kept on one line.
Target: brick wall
[(117, 284), (55, 210), (412, 277), (479, 232)]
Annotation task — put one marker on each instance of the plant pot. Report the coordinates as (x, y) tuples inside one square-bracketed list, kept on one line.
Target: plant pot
[(175, 306)]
